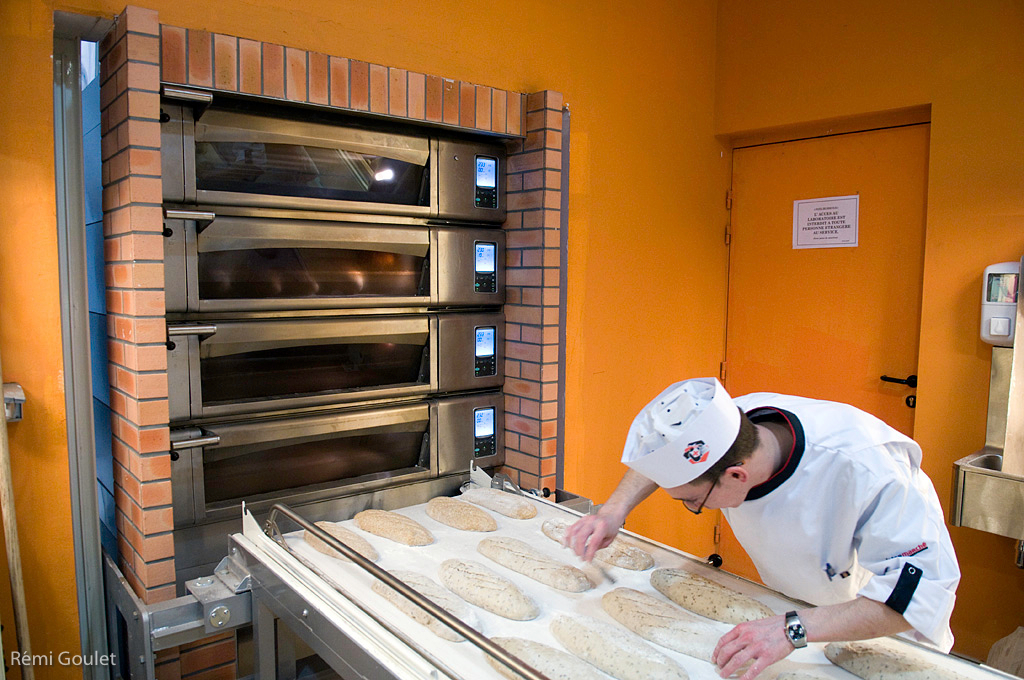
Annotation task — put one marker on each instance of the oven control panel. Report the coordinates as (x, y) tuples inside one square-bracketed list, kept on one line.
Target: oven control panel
[(484, 267), (485, 355), (486, 182), (484, 436)]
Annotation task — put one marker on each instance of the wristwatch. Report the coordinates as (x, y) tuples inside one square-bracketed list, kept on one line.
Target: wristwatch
[(795, 630)]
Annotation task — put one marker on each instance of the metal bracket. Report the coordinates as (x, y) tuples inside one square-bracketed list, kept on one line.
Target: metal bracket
[(214, 604)]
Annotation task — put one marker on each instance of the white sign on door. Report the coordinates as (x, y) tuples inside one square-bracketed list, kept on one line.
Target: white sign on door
[(826, 222)]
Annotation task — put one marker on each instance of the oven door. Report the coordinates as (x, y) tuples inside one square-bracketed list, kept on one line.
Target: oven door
[(235, 158), (243, 366), (312, 459), (216, 262)]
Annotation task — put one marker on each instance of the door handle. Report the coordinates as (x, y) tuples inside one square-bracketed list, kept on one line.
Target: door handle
[(909, 381)]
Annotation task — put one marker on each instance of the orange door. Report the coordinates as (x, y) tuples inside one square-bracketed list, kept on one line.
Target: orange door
[(827, 322)]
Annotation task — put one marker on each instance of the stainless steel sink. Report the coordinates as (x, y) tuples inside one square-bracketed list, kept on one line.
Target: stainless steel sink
[(985, 497)]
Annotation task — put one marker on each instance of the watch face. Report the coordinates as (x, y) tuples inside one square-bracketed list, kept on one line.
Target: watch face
[(796, 631)]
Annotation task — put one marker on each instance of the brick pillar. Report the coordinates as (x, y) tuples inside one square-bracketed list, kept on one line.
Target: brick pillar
[(532, 304), (133, 247)]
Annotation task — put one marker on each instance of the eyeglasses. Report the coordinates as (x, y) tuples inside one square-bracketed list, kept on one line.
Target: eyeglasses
[(686, 504)]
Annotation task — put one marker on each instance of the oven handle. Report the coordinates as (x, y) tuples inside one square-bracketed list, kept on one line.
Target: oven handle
[(424, 603), (197, 215), (207, 438), (187, 95), (191, 329)]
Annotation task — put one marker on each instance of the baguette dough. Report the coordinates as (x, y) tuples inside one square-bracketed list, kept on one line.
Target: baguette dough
[(478, 585), (884, 659), (554, 663), (503, 502), (707, 598), (519, 556), (459, 514), (435, 593), (349, 538), (618, 554), (663, 623), (614, 650), (394, 526)]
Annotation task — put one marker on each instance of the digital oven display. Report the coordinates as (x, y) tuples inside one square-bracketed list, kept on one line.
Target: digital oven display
[(483, 425), (485, 257), (486, 182), (485, 341)]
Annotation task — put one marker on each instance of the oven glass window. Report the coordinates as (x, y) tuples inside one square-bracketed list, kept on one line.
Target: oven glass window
[(237, 474), (309, 273), (309, 172), (311, 369)]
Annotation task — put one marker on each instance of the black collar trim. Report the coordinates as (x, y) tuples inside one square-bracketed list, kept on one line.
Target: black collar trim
[(770, 413)]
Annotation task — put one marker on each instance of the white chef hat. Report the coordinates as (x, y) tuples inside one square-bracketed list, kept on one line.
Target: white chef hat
[(685, 430)]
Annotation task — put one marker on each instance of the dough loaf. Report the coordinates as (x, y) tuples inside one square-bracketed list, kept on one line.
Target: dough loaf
[(617, 652), (349, 538), (460, 514), (554, 663), (503, 502), (519, 556), (478, 585), (707, 598), (663, 623), (618, 554), (394, 526), (438, 595), (884, 659)]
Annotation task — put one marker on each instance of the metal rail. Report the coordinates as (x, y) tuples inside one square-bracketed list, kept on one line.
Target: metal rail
[(471, 634)]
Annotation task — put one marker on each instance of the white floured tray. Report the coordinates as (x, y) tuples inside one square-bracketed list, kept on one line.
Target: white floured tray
[(342, 593)]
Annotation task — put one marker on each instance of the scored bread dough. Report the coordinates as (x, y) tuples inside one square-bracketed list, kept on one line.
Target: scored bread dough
[(884, 659), (707, 598), (434, 592), (618, 554), (663, 623), (519, 556), (460, 514), (554, 663), (503, 502), (393, 526), (488, 590), (349, 538), (615, 651)]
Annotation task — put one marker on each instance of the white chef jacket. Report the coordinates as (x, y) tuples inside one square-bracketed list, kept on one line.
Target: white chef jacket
[(850, 513)]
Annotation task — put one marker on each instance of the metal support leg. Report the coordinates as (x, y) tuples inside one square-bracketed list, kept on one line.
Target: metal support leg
[(263, 635)]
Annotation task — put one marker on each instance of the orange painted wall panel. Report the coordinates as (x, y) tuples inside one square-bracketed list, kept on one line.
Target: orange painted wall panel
[(783, 66)]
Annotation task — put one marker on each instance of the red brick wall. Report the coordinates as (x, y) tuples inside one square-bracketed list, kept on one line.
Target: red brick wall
[(133, 246)]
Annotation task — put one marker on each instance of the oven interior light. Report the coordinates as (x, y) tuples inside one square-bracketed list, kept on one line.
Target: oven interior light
[(385, 175)]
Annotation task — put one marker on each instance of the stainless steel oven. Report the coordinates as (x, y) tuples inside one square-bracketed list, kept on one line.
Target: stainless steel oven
[(234, 155), (243, 260), (226, 367), (318, 460)]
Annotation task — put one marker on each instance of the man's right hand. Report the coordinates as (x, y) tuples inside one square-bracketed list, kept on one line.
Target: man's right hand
[(591, 533)]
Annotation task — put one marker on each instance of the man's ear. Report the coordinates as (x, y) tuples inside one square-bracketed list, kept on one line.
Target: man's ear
[(737, 472)]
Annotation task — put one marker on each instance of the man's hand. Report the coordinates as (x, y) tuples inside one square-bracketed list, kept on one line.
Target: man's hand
[(759, 643), (590, 534)]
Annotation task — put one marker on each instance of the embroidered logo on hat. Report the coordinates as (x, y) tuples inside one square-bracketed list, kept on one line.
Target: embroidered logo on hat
[(696, 452)]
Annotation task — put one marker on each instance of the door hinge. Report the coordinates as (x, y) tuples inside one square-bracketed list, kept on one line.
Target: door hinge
[(728, 234), (718, 534), (721, 372), (728, 199)]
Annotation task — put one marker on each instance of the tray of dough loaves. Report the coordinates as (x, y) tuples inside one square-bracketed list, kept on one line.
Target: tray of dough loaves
[(494, 560)]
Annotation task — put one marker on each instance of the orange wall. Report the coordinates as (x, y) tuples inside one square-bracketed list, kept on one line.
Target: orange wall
[(646, 259), (789, 64)]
